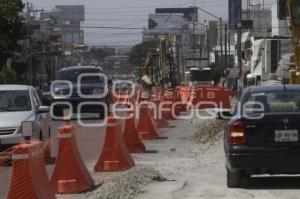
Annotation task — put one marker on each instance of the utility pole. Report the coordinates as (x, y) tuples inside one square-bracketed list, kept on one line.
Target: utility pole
[(29, 47), (194, 35), (207, 44), (239, 43), (225, 59), (221, 42), (229, 45), (248, 9), (221, 31), (29, 57), (43, 65)]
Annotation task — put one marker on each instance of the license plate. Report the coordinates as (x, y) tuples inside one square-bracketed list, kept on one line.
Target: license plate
[(286, 135)]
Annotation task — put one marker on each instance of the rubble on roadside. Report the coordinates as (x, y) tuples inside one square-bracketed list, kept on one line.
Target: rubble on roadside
[(125, 185), (209, 131)]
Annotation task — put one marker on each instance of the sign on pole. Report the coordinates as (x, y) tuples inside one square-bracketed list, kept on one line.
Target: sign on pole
[(235, 12)]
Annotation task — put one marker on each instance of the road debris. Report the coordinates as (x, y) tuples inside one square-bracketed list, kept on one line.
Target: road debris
[(125, 185), (209, 131)]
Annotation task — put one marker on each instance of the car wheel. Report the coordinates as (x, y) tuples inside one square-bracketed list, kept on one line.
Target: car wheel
[(233, 178)]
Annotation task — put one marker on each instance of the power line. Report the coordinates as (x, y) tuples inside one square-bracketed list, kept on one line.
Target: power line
[(132, 7), (99, 27)]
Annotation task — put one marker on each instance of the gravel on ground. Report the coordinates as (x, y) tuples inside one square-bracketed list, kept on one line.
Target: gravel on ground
[(209, 132), (125, 185)]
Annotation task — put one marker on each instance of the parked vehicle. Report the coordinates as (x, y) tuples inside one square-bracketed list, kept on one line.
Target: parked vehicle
[(263, 135), (91, 86), (20, 103), (46, 94), (265, 59)]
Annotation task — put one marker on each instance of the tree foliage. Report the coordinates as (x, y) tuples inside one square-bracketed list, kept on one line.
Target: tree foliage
[(7, 76), (11, 26), (100, 53), (139, 51)]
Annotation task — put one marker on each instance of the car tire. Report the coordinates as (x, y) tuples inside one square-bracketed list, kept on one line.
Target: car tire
[(234, 178)]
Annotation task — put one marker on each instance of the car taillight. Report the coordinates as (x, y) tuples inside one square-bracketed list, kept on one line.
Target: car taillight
[(237, 133)]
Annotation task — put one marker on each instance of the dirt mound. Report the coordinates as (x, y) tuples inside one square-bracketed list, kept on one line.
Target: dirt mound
[(125, 185), (209, 131)]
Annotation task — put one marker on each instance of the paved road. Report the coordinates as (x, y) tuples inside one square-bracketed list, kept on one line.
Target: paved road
[(192, 170), (89, 141), (197, 172)]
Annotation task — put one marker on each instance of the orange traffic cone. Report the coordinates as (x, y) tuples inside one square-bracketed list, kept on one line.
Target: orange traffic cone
[(146, 128), (131, 137), (115, 155), (159, 121), (70, 175), (162, 123), (29, 178)]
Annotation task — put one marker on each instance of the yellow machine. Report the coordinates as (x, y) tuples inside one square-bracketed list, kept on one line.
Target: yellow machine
[(294, 23)]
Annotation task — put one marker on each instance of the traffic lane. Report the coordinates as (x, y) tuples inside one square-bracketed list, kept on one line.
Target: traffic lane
[(5, 173), (198, 170), (89, 138), (89, 142)]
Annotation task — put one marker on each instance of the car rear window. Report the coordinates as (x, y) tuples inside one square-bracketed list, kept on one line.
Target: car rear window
[(72, 75), (273, 102)]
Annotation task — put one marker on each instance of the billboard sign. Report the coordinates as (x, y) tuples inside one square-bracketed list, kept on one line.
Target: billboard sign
[(191, 14), (235, 12), (71, 12)]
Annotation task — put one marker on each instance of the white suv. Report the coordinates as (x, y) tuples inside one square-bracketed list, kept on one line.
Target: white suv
[(20, 103)]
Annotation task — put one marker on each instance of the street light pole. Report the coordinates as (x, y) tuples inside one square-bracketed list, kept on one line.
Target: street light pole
[(221, 42), (207, 45), (221, 31), (226, 47)]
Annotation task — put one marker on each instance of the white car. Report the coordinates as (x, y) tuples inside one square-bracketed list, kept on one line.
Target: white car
[(20, 103)]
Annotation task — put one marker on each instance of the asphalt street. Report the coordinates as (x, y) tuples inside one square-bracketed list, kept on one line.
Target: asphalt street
[(192, 170)]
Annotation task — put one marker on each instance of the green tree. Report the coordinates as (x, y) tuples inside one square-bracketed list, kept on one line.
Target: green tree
[(11, 27), (7, 76), (139, 51)]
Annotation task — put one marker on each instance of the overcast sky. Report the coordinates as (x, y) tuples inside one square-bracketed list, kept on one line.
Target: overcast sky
[(129, 13)]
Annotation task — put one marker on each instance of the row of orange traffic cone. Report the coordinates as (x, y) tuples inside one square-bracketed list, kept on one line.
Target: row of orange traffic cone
[(70, 175)]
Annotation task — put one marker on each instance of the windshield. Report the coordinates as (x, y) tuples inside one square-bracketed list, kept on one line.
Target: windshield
[(72, 76), (14, 101), (273, 102)]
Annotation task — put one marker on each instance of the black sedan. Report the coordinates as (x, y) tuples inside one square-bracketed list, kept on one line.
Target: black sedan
[(80, 85), (263, 135)]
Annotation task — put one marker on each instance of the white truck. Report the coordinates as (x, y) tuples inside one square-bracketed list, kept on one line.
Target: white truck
[(266, 56)]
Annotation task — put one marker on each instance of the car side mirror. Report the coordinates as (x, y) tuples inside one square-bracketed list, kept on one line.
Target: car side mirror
[(43, 109)]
